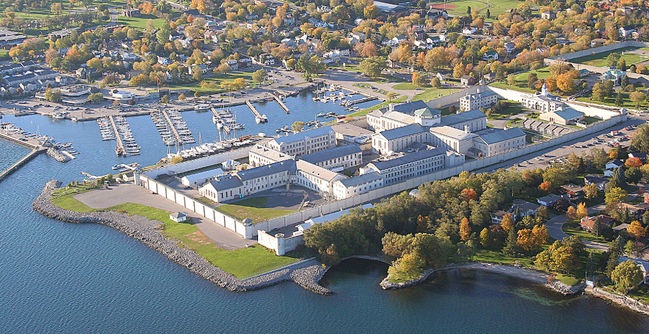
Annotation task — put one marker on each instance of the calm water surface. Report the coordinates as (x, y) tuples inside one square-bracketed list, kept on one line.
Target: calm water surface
[(62, 278)]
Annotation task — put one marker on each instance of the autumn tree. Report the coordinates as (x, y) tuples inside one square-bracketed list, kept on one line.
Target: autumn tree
[(465, 229), (485, 238), (636, 230), (614, 196), (545, 186), (633, 162), (582, 210), (566, 81), (571, 213), (507, 222), (591, 191), (640, 138)]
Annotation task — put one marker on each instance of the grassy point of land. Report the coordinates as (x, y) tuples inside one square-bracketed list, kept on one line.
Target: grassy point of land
[(567, 279), (242, 263), (254, 209)]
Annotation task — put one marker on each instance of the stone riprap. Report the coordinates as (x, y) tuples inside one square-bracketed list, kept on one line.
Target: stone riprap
[(149, 233)]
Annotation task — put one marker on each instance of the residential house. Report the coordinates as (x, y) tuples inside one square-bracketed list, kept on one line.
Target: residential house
[(490, 55), (599, 181), (521, 208), (588, 223), (548, 200), (611, 166), (467, 80), (573, 191)]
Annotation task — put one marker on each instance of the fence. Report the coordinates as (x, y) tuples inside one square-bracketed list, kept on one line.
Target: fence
[(600, 49), (191, 165), (249, 231)]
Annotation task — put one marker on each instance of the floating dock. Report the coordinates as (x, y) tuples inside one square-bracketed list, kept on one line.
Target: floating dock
[(259, 118)]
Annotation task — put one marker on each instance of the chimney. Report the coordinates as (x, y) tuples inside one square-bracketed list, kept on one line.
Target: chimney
[(466, 129)]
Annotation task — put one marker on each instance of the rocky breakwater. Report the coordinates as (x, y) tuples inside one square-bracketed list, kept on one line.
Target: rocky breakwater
[(564, 289), (148, 232)]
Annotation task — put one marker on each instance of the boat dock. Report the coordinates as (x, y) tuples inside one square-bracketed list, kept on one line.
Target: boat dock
[(259, 118), (178, 127), (124, 137), (31, 155), (365, 99), (119, 148), (281, 103)]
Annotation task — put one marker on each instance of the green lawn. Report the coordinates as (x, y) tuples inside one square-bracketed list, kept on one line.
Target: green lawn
[(214, 82), (600, 58), (573, 229), (491, 256), (433, 93), (567, 279), (140, 22), (513, 110), (610, 101), (242, 263), (496, 7), (366, 111), (405, 86), (253, 208)]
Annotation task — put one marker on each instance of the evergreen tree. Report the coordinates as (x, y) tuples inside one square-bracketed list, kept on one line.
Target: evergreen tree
[(510, 245)]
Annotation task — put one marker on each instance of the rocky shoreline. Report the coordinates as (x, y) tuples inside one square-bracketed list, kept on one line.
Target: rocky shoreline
[(512, 271), (618, 299), (305, 273)]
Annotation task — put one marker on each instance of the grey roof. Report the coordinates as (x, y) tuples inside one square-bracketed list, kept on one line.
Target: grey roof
[(403, 131), (492, 136), (361, 179), (569, 114), (331, 153), (411, 107), (225, 183), (300, 136), (253, 173), (479, 95), (451, 120), (408, 158)]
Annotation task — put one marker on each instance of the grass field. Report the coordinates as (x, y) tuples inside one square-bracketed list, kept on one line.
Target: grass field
[(365, 111), (214, 83), (140, 22), (496, 7), (573, 229), (242, 263), (252, 208), (600, 58), (490, 256), (405, 86), (521, 80), (610, 101)]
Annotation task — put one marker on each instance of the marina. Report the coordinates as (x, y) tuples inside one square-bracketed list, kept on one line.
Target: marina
[(259, 118), (172, 127)]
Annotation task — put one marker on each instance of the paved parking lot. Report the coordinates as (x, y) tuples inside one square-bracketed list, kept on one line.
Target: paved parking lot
[(578, 146)]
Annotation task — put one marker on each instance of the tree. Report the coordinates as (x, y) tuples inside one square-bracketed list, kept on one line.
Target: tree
[(182, 97), (562, 255), (435, 82), (458, 70), (636, 230), (390, 96), (407, 267), (591, 191), (531, 80), (640, 138), (485, 238), (507, 223), (465, 229), (619, 100), (511, 246), (545, 186), (566, 81), (53, 95), (95, 97), (626, 276), (56, 8), (637, 97), (614, 197), (633, 162), (372, 67), (164, 99), (259, 75), (582, 210), (571, 213), (297, 126), (633, 175)]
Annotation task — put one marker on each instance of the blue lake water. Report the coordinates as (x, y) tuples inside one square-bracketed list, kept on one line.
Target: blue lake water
[(62, 278)]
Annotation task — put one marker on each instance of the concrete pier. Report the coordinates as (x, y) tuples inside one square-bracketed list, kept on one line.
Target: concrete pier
[(179, 140), (5, 173), (253, 109), (119, 149), (281, 104)]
